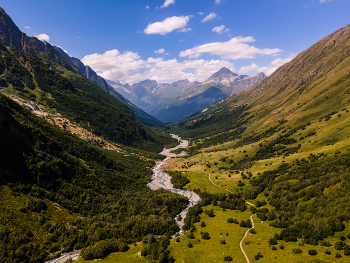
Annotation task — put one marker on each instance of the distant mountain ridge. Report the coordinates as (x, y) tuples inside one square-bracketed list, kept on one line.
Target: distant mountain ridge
[(91, 75), (170, 102)]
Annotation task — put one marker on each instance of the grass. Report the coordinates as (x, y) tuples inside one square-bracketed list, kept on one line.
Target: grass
[(212, 250)]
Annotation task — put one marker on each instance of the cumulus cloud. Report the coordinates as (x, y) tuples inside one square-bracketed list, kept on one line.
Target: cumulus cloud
[(43, 37), (236, 48), (185, 30), (323, 1), (220, 29), (209, 17), (168, 25), (27, 27), (200, 13), (130, 68), (275, 64), (217, 2), (147, 7), (167, 3), (160, 51)]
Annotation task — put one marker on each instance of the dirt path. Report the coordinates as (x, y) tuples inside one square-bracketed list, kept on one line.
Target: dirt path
[(251, 217), (245, 235)]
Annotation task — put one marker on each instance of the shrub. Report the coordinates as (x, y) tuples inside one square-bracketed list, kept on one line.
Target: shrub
[(258, 256), (325, 244), (312, 252), (190, 235), (281, 247), (342, 238), (205, 235), (235, 221), (210, 213), (274, 248), (327, 252), (242, 224), (228, 258), (252, 231), (338, 255), (272, 241), (189, 245), (177, 240), (230, 220), (297, 251), (223, 242), (203, 224)]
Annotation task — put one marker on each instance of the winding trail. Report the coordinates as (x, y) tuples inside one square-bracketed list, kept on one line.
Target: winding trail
[(245, 235), (251, 217), (160, 179)]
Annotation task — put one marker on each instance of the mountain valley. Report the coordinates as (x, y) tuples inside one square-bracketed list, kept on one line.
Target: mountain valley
[(267, 159)]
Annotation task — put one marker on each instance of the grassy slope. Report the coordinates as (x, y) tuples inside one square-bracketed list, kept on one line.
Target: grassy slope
[(315, 84)]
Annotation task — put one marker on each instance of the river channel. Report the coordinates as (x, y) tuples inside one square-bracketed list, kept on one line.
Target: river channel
[(160, 179)]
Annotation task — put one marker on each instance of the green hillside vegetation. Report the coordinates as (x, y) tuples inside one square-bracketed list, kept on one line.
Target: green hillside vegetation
[(63, 193), (78, 99), (283, 145)]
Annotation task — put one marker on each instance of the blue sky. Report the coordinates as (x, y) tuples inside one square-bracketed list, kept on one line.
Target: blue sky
[(168, 40)]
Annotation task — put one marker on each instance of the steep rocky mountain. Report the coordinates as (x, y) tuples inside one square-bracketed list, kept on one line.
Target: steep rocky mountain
[(91, 75), (160, 100), (38, 72)]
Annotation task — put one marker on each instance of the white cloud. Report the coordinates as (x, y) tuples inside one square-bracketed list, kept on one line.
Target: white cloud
[(168, 25), (27, 27), (129, 67), (185, 30), (217, 2), (167, 3), (43, 37), (323, 1), (200, 13), (236, 48), (160, 51), (209, 17), (275, 64), (220, 29), (147, 7)]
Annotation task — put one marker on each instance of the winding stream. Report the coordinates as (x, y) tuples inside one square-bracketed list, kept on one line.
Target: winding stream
[(162, 180)]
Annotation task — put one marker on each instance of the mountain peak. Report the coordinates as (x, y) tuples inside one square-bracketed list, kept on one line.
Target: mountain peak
[(223, 71)]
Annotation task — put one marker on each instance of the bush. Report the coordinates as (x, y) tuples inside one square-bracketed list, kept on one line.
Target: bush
[(210, 213), (325, 244), (338, 255), (242, 224), (258, 256), (205, 235), (223, 242), (190, 235), (281, 247), (228, 258), (252, 231), (230, 220), (203, 224), (312, 252), (235, 221), (177, 240), (327, 252), (190, 245), (272, 241), (297, 251), (274, 248)]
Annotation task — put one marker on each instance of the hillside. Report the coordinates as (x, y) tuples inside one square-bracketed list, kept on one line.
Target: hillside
[(63, 193), (50, 80), (283, 145), (91, 75)]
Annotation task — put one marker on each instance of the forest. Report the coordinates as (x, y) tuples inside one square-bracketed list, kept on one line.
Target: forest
[(103, 193)]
